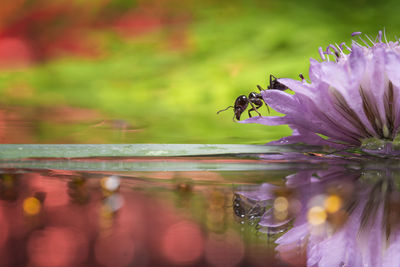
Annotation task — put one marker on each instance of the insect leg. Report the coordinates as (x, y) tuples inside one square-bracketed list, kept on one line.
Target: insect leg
[(253, 108)]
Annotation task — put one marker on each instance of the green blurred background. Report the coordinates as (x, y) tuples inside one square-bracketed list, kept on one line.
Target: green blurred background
[(156, 71)]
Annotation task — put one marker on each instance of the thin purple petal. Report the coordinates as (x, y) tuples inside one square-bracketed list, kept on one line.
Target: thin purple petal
[(281, 101), (272, 120)]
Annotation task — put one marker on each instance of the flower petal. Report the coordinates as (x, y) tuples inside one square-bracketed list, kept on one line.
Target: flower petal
[(269, 220), (272, 120), (374, 82), (293, 235), (298, 87), (315, 71), (300, 135), (281, 101), (263, 192), (391, 257), (357, 63), (392, 67)]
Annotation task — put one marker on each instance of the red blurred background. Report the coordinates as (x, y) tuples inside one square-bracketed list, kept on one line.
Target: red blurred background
[(35, 31)]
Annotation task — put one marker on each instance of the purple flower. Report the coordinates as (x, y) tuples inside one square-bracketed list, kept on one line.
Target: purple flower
[(352, 99)]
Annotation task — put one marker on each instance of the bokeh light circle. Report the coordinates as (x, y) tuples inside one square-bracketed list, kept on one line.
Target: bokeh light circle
[(31, 206), (183, 243), (57, 246)]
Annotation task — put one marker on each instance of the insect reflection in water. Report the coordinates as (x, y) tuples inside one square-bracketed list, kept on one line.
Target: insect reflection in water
[(245, 208)]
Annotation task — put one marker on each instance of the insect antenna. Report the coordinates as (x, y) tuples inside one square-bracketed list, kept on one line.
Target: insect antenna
[(224, 109)]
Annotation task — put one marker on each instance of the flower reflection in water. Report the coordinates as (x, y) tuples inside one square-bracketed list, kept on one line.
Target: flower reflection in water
[(335, 217)]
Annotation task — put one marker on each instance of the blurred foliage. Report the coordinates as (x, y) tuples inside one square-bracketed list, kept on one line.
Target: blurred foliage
[(167, 81)]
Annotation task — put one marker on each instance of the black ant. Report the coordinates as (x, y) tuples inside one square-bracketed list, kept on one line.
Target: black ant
[(254, 99), (241, 103)]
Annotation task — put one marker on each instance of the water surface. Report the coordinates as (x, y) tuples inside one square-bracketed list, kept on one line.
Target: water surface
[(198, 211)]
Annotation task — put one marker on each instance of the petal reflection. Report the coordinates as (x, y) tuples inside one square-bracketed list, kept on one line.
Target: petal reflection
[(339, 218)]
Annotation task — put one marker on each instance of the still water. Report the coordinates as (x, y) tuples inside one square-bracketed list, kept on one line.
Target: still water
[(199, 211)]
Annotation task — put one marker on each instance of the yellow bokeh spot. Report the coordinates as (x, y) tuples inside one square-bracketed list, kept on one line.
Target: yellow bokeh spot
[(316, 215), (332, 203), (280, 215), (281, 204), (31, 206)]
